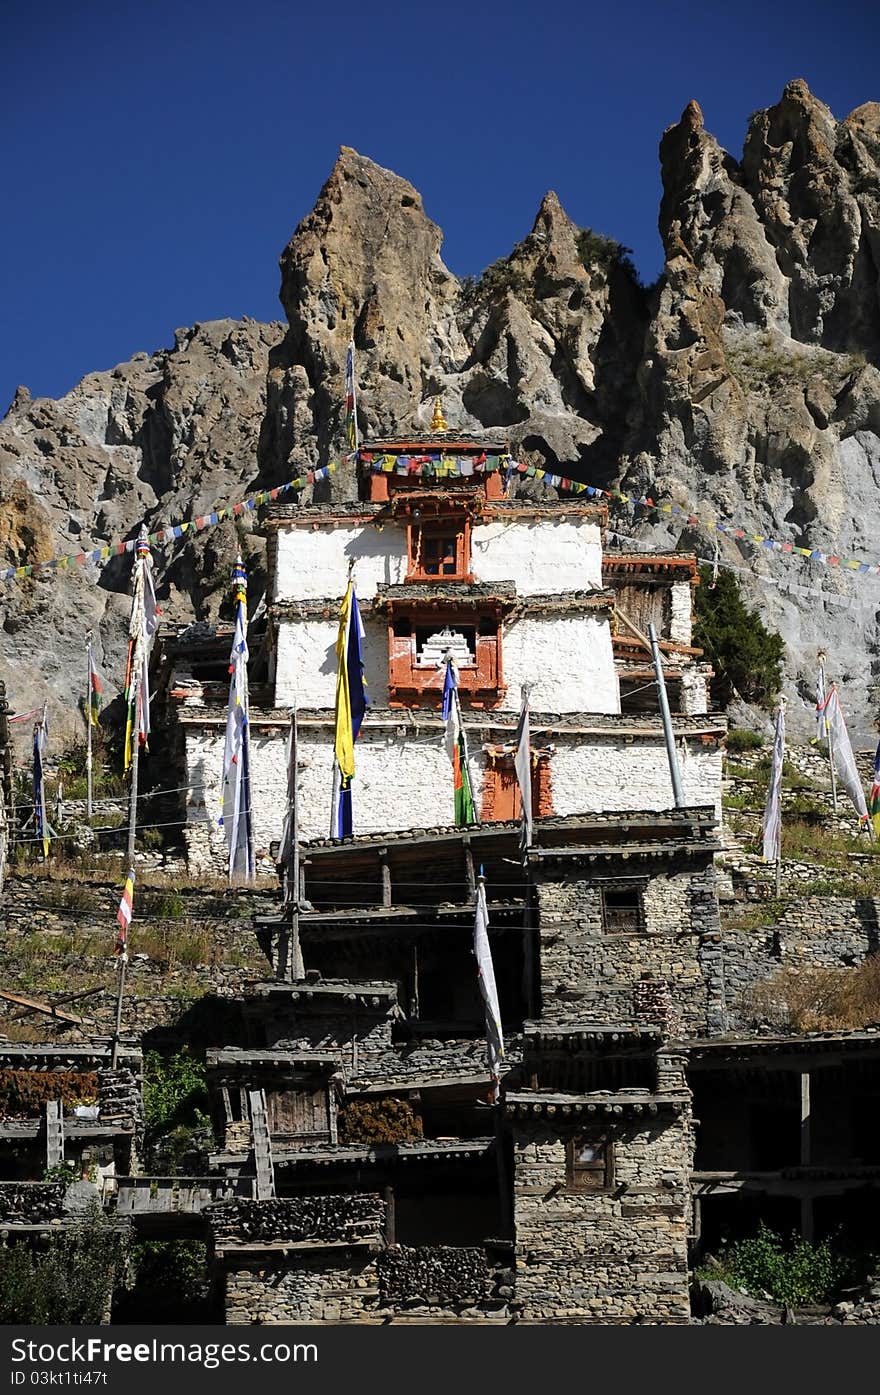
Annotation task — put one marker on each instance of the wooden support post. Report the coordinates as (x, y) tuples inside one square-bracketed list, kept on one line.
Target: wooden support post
[(390, 1218), (806, 1156), (414, 996), (386, 876), (469, 867)]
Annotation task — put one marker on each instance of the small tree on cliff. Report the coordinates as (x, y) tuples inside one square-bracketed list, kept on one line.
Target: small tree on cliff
[(746, 656)]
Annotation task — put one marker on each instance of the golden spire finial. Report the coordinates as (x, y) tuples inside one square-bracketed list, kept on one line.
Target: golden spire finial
[(438, 420)]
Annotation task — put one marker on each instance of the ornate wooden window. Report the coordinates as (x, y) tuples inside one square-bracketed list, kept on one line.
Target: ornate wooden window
[(623, 909), (439, 550), (589, 1163), (418, 637)]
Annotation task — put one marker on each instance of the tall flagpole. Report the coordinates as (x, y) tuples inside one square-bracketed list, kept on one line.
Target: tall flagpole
[(668, 734), (137, 626), (822, 656), (43, 815), (89, 725)]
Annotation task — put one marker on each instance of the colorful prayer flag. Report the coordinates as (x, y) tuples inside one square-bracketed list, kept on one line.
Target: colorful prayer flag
[(486, 975), (237, 818), (456, 747), (124, 915), (351, 704), (96, 689), (874, 798)]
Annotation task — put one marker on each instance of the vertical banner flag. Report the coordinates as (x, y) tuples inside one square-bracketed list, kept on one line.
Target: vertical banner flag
[(456, 748), (351, 704), (773, 806), (236, 817), (486, 974), (874, 801), (96, 690), (351, 426), (41, 823), (844, 760), (142, 626), (123, 916), (522, 763)]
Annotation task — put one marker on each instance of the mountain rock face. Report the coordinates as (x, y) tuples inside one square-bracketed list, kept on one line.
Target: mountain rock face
[(744, 385)]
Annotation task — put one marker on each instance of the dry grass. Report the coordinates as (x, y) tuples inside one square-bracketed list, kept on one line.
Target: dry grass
[(820, 999)]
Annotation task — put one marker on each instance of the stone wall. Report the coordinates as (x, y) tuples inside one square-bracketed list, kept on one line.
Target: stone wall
[(319, 1287), (810, 932), (615, 1256), (591, 975), (206, 947)]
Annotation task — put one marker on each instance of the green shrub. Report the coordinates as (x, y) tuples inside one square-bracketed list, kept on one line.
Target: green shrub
[(178, 1132), (791, 1274), (741, 739), (71, 1281), (174, 1086), (746, 656)]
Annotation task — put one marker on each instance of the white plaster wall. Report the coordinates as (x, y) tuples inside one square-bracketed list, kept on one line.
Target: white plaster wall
[(313, 563), (540, 555), (634, 775), (306, 662), (568, 659), (403, 779), (681, 612)]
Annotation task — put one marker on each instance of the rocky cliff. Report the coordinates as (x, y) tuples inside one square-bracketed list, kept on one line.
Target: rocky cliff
[(744, 385)]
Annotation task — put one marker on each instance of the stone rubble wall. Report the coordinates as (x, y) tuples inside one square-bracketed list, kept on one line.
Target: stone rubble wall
[(590, 975), (614, 1256)]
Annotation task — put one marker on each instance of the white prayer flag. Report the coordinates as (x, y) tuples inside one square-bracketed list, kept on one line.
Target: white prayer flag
[(844, 760), (486, 972), (773, 807)]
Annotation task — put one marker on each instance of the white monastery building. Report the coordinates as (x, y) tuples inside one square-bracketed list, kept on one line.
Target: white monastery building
[(444, 560)]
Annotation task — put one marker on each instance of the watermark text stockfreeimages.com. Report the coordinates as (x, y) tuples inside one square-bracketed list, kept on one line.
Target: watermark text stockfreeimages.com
[(209, 1355)]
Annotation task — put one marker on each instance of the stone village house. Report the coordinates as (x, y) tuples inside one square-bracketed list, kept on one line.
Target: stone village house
[(363, 1171)]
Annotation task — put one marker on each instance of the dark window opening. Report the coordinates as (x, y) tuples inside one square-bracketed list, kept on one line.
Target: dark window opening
[(623, 909), (488, 626), (589, 1163), (465, 1215), (774, 1135), (402, 626)]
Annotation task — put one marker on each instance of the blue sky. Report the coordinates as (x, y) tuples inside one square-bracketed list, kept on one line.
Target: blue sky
[(156, 160)]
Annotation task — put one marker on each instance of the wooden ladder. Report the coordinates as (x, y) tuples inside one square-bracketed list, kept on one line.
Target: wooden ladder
[(262, 1145), (54, 1133)]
